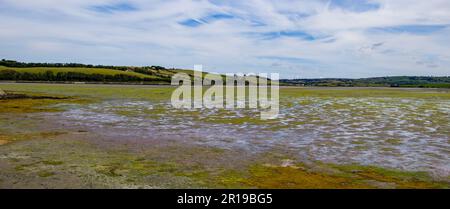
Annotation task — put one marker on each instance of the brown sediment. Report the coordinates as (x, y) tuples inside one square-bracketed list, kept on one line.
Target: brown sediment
[(3, 140)]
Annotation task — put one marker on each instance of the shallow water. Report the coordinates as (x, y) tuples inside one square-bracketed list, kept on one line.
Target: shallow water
[(409, 134)]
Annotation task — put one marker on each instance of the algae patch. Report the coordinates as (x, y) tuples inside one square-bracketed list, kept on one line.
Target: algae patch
[(45, 174), (28, 104), (337, 176)]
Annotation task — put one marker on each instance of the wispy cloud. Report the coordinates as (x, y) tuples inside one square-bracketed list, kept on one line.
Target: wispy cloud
[(354, 5), (413, 29), (116, 7), (281, 34), (191, 23), (205, 20), (298, 38), (288, 59)]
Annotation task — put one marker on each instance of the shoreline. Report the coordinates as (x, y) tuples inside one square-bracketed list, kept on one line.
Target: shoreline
[(169, 85)]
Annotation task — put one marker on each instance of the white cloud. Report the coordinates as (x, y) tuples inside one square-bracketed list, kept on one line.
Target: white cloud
[(142, 32)]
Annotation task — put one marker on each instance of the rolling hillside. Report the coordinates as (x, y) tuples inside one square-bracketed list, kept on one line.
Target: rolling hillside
[(73, 72), (89, 71), (58, 72)]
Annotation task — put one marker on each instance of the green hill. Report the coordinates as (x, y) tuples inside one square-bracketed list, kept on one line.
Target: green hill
[(72, 72), (89, 71), (11, 70)]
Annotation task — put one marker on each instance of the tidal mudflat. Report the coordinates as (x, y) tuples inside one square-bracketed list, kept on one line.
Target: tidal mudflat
[(117, 136)]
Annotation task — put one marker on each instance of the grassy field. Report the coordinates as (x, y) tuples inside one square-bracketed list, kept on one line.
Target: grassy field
[(79, 70), (129, 75), (117, 136)]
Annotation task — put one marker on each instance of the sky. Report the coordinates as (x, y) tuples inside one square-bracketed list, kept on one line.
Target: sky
[(295, 38)]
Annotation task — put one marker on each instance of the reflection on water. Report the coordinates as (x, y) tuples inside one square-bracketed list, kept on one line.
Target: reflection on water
[(401, 133)]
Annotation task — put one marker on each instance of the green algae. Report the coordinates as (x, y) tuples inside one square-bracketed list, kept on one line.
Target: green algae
[(402, 179), (394, 141), (353, 176), (52, 162), (45, 174), (88, 91), (365, 92)]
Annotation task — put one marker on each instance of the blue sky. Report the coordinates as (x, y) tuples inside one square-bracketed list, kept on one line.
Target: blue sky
[(296, 38)]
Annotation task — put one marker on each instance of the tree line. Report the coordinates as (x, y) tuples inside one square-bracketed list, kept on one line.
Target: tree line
[(73, 76), (13, 63)]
